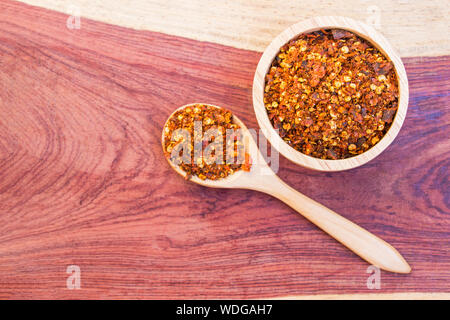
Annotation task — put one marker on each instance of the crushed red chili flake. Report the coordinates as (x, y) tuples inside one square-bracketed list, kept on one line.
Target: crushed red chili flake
[(195, 121), (331, 94)]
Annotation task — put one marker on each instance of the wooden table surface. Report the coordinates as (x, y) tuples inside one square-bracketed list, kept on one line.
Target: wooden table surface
[(83, 180)]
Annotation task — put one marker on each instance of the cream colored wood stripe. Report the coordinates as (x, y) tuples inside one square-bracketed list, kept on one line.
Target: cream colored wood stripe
[(414, 27), (372, 296)]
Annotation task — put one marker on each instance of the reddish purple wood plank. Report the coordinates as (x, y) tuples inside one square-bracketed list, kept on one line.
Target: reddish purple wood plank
[(83, 179)]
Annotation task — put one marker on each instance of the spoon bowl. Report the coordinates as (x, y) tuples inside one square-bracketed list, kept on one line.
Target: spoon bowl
[(234, 180), (262, 178)]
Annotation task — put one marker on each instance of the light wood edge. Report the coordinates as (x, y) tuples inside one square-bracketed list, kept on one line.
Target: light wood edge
[(363, 30), (416, 28), (369, 296)]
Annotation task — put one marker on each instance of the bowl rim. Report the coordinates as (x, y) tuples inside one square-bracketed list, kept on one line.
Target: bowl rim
[(328, 22)]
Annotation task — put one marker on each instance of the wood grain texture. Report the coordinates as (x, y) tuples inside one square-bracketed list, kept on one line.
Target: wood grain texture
[(415, 27), (83, 179)]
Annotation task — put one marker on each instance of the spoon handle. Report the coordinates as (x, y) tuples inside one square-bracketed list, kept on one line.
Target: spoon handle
[(365, 244)]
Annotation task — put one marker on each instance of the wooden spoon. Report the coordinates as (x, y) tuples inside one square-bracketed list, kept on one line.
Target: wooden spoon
[(261, 178)]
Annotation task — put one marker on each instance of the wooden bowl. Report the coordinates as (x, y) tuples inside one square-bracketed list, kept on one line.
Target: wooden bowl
[(364, 31)]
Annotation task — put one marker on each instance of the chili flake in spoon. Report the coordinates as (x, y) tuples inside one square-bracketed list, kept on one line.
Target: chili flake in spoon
[(204, 141)]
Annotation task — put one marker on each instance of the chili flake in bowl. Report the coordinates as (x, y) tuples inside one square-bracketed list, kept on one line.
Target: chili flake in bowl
[(331, 94), (205, 141)]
